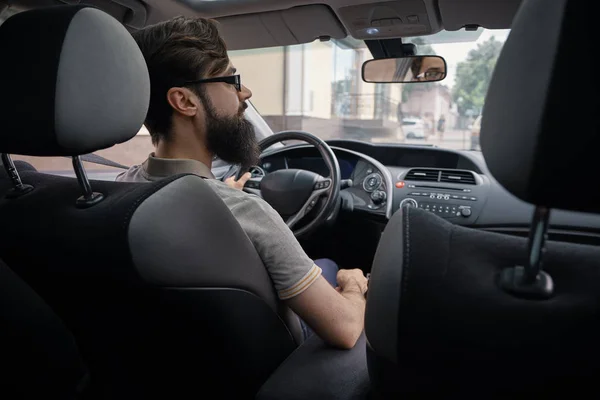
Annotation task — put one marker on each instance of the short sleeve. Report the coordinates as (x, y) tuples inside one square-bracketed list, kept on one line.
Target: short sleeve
[(291, 270)]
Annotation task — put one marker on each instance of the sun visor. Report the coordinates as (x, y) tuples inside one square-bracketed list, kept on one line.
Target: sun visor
[(295, 25), (490, 14)]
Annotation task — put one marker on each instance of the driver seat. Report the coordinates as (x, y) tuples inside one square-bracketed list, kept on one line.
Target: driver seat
[(161, 287)]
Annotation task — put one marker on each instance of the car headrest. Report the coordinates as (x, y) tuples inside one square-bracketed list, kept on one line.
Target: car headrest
[(539, 135), (73, 81)]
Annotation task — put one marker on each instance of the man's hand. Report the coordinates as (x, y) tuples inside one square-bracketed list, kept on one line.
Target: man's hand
[(352, 280), (239, 184)]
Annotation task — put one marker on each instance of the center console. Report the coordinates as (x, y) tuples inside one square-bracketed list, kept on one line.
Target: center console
[(460, 202)]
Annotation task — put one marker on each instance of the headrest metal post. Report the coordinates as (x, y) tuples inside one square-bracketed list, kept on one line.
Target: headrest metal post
[(537, 240), (89, 197), (530, 281), (19, 188)]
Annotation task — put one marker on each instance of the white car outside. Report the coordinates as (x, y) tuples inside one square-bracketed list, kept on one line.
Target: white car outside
[(414, 128)]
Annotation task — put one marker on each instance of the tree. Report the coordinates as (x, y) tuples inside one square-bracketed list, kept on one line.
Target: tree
[(473, 76), (421, 49)]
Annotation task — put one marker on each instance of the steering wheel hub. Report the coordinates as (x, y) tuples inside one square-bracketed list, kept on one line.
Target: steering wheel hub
[(287, 190), (294, 193)]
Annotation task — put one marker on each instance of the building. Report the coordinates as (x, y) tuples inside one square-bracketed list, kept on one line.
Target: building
[(317, 87), (430, 102)]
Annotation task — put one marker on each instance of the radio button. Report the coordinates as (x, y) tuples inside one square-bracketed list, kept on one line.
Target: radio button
[(465, 212)]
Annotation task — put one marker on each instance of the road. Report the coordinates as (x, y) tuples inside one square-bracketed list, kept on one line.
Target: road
[(453, 139)]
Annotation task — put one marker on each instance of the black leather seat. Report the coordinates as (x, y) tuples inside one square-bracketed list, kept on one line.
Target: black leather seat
[(39, 356), (460, 312), (162, 288), (437, 321)]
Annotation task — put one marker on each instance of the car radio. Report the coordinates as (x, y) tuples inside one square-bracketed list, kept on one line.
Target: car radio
[(446, 205)]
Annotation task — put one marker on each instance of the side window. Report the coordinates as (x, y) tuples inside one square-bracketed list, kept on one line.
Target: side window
[(132, 152)]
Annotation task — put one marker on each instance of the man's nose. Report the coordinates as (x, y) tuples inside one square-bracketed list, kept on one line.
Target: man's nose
[(245, 93)]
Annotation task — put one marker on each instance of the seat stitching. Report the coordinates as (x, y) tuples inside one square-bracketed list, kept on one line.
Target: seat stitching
[(450, 235), (406, 260)]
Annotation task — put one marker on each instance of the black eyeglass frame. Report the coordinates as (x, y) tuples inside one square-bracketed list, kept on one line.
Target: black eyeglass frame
[(230, 79), (435, 74)]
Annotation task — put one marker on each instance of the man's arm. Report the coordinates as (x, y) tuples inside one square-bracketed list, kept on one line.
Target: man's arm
[(336, 316)]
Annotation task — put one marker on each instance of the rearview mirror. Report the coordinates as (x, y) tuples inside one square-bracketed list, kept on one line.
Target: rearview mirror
[(404, 69)]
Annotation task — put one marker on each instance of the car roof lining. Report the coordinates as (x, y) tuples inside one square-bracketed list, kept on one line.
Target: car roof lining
[(289, 22)]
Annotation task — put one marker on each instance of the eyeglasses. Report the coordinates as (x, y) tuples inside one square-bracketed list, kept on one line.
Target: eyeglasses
[(230, 79), (431, 75)]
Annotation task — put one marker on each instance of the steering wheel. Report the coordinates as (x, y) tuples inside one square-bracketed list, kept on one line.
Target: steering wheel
[(294, 193)]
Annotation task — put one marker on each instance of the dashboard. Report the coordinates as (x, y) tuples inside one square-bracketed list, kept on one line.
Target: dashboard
[(367, 182), (456, 185), (316, 164)]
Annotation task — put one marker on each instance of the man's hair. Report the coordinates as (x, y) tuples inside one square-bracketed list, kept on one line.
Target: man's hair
[(177, 51), (416, 66)]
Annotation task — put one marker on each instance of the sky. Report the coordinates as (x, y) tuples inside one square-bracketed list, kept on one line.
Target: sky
[(454, 53)]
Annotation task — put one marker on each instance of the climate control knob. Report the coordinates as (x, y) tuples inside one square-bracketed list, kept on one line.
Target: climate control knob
[(465, 212), (372, 182), (409, 202), (378, 196)]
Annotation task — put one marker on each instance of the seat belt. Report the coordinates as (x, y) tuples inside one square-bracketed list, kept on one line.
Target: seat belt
[(96, 159)]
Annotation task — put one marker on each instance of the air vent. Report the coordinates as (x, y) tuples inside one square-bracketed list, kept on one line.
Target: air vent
[(441, 175), (430, 175), (462, 177)]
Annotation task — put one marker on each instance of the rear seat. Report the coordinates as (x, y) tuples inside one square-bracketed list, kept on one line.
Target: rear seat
[(39, 358)]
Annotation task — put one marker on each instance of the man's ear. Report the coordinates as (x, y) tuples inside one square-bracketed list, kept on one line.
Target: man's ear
[(183, 101)]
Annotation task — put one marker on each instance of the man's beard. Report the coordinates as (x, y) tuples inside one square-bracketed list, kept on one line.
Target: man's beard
[(232, 138)]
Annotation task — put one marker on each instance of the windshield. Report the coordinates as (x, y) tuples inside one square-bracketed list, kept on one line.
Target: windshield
[(317, 87)]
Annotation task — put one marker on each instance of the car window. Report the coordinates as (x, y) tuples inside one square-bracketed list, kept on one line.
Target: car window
[(132, 152), (317, 87)]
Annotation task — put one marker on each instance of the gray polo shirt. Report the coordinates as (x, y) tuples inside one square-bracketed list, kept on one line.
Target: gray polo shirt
[(291, 270)]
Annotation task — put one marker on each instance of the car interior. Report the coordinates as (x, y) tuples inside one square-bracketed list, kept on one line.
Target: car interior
[(483, 264)]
